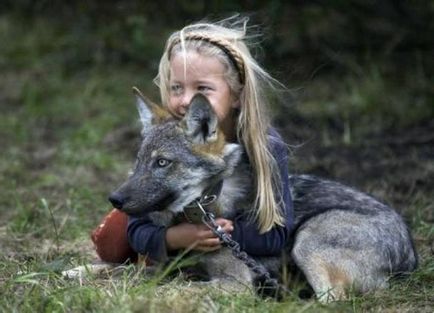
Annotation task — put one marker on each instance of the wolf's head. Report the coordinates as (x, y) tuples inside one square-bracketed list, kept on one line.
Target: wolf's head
[(178, 159)]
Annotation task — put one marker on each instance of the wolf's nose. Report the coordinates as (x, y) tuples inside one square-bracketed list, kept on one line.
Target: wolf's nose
[(117, 200)]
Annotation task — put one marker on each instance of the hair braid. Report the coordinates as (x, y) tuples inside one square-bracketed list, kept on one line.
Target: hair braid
[(225, 45)]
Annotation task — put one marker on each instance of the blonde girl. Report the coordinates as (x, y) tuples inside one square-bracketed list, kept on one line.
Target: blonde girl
[(214, 59)]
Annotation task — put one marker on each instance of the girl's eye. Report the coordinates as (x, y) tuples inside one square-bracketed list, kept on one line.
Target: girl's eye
[(204, 88), (163, 162), (175, 88)]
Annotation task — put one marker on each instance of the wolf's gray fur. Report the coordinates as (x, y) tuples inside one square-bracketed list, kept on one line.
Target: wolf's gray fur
[(162, 192), (343, 239), (346, 239)]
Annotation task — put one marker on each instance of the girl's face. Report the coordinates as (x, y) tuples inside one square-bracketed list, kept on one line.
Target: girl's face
[(205, 75)]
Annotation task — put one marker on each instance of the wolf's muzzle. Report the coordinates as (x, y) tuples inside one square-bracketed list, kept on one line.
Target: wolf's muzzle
[(117, 200)]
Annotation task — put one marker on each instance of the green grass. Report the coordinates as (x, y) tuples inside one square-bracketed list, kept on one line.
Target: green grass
[(69, 133)]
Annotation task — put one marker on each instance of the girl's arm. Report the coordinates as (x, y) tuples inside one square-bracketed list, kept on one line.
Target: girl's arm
[(157, 242), (196, 236), (147, 238)]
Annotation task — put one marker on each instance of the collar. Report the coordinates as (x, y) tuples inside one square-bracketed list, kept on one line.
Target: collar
[(194, 211)]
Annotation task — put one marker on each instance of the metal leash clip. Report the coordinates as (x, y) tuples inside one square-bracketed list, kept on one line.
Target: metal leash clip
[(208, 218), (207, 199)]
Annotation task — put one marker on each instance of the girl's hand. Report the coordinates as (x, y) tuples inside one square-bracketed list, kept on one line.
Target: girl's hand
[(196, 236)]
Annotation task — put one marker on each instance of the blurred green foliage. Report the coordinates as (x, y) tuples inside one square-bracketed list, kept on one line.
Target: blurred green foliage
[(134, 30), (381, 50)]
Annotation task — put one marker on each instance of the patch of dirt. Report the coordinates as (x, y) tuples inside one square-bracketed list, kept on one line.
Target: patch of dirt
[(394, 166)]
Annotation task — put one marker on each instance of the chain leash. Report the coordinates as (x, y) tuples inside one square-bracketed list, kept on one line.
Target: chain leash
[(267, 286)]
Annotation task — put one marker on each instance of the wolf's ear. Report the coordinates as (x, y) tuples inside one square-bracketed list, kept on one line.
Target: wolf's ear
[(144, 107), (149, 112), (232, 156), (200, 121)]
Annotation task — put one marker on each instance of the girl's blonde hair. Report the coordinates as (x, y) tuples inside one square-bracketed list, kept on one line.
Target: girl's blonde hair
[(248, 81)]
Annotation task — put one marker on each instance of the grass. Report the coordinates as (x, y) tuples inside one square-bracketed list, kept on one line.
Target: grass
[(69, 137)]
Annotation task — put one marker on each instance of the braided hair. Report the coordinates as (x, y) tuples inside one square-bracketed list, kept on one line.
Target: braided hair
[(248, 81)]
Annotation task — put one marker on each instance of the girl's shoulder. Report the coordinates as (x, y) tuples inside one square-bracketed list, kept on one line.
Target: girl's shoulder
[(275, 140)]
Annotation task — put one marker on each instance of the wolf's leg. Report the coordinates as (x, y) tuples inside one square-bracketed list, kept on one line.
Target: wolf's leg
[(334, 272), (223, 284), (223, 268), (329, 282)]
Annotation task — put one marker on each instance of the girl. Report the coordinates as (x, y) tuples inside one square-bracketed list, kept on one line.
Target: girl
[(214, 59)]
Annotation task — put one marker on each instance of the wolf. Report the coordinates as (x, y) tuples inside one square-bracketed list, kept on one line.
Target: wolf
[(343, 240), (180, 162)]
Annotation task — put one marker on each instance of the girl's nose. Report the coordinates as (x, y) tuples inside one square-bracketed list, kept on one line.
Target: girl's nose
[(185, 101)]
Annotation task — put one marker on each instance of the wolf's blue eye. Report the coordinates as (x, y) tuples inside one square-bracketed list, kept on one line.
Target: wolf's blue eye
[(163, 162)]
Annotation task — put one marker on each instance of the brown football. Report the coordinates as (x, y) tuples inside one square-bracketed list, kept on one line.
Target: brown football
[(110, 239)]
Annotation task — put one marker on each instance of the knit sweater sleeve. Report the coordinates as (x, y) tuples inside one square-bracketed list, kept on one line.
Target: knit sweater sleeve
[(147, 238)]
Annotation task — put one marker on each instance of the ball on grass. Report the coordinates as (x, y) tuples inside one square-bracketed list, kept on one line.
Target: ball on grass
[(110, 239)]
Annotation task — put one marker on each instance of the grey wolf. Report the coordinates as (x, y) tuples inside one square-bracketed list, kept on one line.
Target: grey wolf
[(177, 163), (343, 239)]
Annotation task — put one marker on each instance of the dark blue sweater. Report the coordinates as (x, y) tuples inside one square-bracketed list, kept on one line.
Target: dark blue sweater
[(149, 239)]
